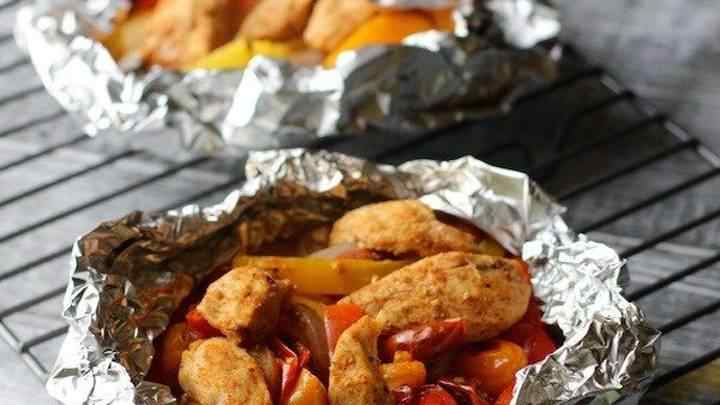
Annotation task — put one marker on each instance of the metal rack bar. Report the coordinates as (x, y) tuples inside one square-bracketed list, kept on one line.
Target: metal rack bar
[(27, 125), (626, 170), (712, 215), (685, 369), (95, 201), (692, 316), (52, 183), (46, 151), (664, 282), (651, 200)]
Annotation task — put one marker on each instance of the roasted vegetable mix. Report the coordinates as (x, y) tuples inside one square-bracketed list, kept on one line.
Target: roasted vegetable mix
[(226, 34), (400, 305)]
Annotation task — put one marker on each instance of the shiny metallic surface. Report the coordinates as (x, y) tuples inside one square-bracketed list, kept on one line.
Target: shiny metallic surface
[(433, 80), (128, 275)]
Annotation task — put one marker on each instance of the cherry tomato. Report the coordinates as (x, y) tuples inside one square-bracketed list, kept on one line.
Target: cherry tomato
[(338, 318), (427, 341), (199, 326), (531, 334), (493, 365), (506, 396), (435, 395)]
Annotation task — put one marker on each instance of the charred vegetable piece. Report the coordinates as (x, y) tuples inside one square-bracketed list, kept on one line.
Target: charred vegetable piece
[(427, 341), (463, 392), (320, 276), (304, 322), (492, 365), (338, 318)]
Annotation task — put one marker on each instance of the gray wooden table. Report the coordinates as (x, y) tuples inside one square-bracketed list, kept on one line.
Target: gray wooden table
[(665, 50)]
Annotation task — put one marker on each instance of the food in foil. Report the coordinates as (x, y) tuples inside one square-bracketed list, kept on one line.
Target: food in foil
[(183, 77), (398, 301), (326, 279), (223, 34)]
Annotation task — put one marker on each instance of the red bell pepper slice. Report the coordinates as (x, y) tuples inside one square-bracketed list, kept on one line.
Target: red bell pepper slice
[(338, 318), (292, 365), (465, 394), (199, 326), (427, 341)]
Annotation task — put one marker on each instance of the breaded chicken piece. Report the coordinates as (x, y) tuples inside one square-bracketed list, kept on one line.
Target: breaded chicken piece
[(182, 31), (333, 20), (355, 377), (401, 227), (245, 302), (277, 19), (489, 293), (218, 372)]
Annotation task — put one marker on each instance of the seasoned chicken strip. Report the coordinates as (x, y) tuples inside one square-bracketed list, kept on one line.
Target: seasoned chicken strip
[(245, 302), (402, 227), (182, 31), (355, 377), (333, 20), (218, 372), (489, 293), (277, 19)]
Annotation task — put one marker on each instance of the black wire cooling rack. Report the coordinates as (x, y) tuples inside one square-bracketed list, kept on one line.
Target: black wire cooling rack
[(621, 167)]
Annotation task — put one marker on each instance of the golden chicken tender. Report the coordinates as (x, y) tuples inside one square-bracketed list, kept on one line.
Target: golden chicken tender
[(333, 20), (182, 31), (488, 293), (245, 302), (403, 228), (277, 19), (355, 377), (218, 372)]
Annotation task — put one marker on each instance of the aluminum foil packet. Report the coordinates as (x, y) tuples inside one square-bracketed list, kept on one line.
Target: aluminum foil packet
[(431, 81), (128, 275)]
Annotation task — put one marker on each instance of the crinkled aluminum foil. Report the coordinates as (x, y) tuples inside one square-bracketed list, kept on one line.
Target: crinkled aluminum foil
[(433, 81), (129, 275)]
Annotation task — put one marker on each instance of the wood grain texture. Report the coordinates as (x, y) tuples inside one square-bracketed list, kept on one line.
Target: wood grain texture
[(665, 50)]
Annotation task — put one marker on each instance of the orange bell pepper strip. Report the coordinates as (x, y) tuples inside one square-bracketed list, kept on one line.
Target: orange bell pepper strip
[(386, 28)]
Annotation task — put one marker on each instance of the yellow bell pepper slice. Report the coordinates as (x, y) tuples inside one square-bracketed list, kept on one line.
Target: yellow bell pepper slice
[(233, 55), (321, 276), (237, 54), (387, 28)]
